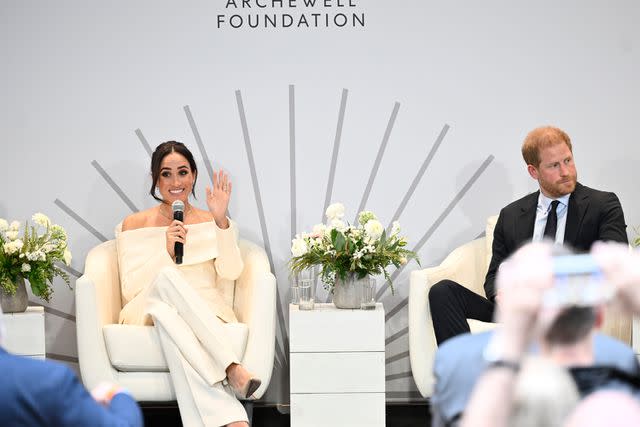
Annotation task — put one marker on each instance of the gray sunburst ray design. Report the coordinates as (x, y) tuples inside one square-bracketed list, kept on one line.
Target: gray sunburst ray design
[(396, 357), (292, 168), (208, 164), (265, 234), (292, 159), (201, 147), (66, 209), (391, 377), (396, 309), (53, 311), (405, 395), (62, 357), (114, 186), (145, 143), (440, 219), (396, 336), (334, 162), (419, 175), (402, 304), (334, 152), (376, 163), (72, 271)]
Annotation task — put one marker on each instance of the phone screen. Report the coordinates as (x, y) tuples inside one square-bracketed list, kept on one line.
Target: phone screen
[(577, 281)]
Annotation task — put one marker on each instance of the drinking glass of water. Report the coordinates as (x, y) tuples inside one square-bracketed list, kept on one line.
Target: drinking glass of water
[(306, 289), (368, 295)]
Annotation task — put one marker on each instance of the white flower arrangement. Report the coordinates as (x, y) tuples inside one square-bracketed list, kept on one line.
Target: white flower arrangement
[(34, 256), (342, 249)]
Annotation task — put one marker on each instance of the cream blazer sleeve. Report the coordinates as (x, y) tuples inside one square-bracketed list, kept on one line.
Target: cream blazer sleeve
[(228, 263)]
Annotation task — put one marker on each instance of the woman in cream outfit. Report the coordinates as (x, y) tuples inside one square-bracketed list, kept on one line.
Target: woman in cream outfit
[(182, 300)]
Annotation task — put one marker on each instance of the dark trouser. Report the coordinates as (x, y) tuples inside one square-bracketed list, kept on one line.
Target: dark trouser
[(451, 305)]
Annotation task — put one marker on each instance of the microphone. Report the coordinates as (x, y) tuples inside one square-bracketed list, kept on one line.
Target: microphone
[(178, 213)]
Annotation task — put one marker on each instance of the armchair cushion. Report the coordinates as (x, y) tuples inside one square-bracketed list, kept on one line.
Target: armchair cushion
[(477, 326), (134, 348)]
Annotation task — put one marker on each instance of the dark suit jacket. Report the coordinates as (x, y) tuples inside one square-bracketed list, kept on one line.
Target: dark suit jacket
[(592, 215), (43, 393)]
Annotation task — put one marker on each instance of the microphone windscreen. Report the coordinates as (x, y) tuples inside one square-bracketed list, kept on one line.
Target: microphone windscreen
[(177, 206)]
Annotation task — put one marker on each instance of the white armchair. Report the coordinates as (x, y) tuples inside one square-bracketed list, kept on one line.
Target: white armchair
[(467, 265), (132, 355)]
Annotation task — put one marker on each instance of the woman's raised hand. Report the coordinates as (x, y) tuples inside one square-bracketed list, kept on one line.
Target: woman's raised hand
[(218, 198), (176, 232)]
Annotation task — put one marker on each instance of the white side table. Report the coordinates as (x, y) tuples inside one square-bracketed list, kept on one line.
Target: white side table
[(337, 361), (25, 333)]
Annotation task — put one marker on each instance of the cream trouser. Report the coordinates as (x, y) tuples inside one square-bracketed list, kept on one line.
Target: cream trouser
[(197, 350)]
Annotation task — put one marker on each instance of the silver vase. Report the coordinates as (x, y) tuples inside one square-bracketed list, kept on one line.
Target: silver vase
[(348, 293), (16, 303)]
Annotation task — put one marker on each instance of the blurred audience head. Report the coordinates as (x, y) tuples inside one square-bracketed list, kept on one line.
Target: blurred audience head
[(545, 395), (572, 324), (606, 408)]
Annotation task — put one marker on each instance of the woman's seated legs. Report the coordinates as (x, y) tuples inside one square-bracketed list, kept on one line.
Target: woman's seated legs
[(200, 404), (171, 288)]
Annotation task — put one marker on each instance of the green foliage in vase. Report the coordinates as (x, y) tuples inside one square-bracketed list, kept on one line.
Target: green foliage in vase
[(33, 255), (341, 249)]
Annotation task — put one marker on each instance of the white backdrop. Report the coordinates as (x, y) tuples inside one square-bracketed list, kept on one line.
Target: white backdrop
[(78, 78)]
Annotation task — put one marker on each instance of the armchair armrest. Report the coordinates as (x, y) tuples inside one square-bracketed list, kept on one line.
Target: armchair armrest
[(99, 283), (465, 265), (95, 366), (255, 306), (101, 267), (422, 339)]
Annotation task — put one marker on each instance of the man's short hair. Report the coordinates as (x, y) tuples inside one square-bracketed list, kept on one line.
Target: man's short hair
[(572, 325), (540, 138)]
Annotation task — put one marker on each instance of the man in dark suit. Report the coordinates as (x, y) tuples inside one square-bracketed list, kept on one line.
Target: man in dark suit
[(563, 210), (43, 393)]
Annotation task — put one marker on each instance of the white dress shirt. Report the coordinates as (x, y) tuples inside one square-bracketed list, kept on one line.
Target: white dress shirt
[(542, 211)]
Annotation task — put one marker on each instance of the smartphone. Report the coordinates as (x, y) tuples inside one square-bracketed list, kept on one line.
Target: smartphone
[(579, 281)]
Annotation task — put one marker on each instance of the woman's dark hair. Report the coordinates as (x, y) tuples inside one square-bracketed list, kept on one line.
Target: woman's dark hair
[(160, 153)]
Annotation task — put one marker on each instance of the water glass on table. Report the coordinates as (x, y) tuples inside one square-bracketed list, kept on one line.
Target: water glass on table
[(306, 290), (368, 294), (295, 290)]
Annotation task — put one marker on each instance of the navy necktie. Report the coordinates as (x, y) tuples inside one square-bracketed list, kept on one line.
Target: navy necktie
[(552, 222)]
